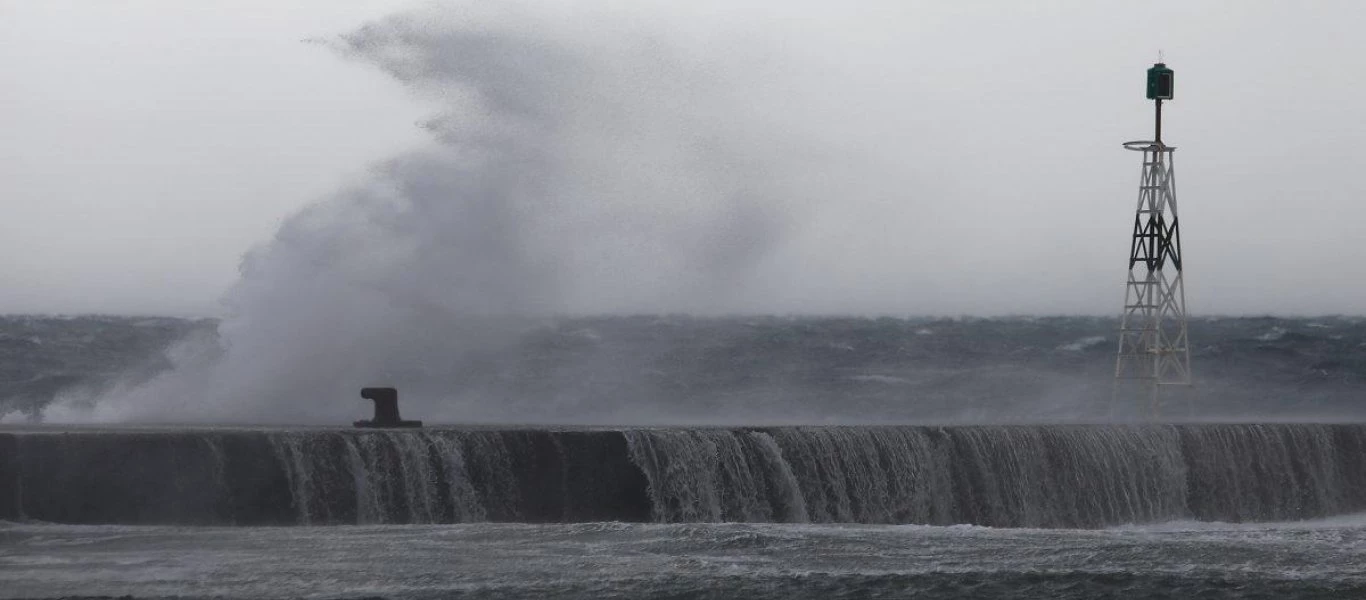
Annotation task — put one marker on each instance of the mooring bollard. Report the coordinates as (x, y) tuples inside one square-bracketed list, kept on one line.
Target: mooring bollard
[(386, 409)]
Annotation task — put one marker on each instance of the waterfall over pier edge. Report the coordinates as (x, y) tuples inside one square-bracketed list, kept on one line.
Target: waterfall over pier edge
[(1003, 476)]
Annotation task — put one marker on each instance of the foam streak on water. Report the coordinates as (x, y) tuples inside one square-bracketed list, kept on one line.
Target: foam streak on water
[(615, 560)]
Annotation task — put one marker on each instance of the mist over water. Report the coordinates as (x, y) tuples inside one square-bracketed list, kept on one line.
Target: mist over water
[(674, 288), (604, 160), (579, 164)]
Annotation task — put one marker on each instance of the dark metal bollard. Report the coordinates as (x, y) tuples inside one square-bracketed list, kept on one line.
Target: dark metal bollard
[(386, 409)]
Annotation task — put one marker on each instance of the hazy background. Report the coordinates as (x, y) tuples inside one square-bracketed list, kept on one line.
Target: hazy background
[(413, 195), (948, 157)]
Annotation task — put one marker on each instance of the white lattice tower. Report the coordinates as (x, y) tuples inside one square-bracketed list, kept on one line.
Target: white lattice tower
[(1154, 349), (1153, 345)]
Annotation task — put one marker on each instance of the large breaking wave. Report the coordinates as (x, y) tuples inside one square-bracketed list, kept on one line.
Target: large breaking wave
[(570, 172)]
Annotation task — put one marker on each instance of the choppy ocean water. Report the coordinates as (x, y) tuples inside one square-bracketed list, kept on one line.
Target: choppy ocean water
[(1313, 559), (1127, 512), (766, 507), (672, 370)]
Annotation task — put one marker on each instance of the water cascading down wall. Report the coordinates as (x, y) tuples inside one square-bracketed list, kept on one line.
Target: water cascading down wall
[(1008, 476)]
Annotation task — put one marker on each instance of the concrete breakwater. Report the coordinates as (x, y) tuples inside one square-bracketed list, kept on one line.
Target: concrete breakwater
[(1004, 476)]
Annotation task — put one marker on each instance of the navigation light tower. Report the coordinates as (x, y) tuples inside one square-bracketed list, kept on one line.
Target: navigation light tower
[(1153, 347)]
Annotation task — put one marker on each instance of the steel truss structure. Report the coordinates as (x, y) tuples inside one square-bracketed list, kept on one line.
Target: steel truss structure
[(1153, 346)]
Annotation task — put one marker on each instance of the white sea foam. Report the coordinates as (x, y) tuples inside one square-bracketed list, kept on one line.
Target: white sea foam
[(1083, 343)]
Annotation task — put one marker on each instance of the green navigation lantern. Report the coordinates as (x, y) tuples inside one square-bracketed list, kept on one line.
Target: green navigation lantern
[(1161, 86), (1161, 82)]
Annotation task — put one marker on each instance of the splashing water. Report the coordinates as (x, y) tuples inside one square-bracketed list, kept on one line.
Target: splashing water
[(570, 172)]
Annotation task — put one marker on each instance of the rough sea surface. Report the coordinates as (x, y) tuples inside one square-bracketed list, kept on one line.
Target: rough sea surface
[(1081, 511), (859, 458), (1318, 559), (674, 370)]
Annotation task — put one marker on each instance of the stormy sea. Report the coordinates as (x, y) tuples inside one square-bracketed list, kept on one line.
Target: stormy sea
[(689, 457)]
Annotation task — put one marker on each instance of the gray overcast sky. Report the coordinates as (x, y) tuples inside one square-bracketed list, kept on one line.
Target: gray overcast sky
[(145, 146)]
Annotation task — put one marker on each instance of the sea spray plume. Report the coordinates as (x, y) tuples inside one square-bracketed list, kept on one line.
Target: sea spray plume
[(574, 173), (661, 182)]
